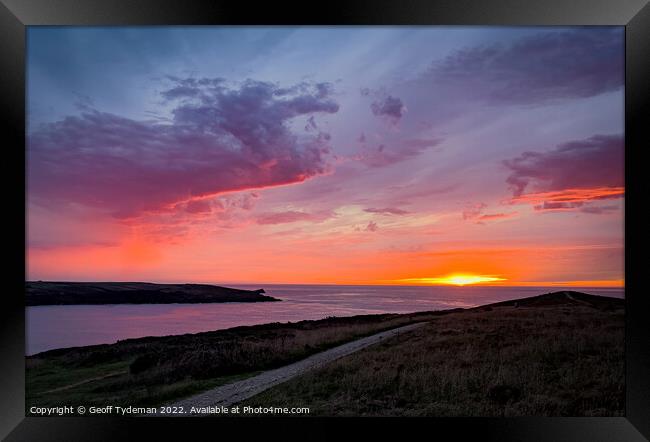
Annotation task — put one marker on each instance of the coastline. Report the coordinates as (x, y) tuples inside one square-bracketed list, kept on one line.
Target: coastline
[(52, 326), (178, 366)]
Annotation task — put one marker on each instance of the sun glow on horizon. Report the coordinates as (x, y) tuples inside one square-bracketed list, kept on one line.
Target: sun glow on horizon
[(457, 279)]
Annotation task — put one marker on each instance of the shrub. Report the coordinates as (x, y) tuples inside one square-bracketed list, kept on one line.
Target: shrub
[(143, 363)]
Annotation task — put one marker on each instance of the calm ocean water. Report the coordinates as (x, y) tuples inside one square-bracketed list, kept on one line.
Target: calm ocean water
[(50, 327)]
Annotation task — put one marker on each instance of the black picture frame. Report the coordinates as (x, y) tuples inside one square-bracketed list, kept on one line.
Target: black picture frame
[(15, 15)]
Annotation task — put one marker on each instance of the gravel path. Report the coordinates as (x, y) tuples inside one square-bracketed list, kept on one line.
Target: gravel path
[(229, 394)]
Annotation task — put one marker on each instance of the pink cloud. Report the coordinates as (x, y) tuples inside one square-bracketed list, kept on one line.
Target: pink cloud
[(473, 210), (495, 216), (291, 216)]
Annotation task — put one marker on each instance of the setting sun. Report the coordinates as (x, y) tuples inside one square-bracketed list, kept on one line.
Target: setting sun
[(457, 279)]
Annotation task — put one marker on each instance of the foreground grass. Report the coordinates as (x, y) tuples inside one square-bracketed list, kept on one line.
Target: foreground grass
[(502, 361), (155, 370)]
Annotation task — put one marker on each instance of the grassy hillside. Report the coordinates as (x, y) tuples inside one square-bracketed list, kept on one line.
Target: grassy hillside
[(558, 354), (67, 293), (154, 370)]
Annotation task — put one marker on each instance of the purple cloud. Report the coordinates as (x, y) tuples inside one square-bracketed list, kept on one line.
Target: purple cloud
[(372, 227), (388, 106), (539, 68), (382, 155), (198, 206), (595, 162), (584, 206), (291, 216), (473, 210), (387, 211), (599, 210), (221, 139), (558, 205)]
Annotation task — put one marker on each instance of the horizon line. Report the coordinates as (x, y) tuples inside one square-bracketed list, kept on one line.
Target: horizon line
[(601, 284)]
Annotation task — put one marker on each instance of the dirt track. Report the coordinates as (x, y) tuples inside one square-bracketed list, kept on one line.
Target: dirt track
[(229, 394)]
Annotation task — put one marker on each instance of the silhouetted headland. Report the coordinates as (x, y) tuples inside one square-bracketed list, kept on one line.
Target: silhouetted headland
[(69, 293)]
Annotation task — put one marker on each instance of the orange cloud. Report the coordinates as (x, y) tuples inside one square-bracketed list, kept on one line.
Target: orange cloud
[(494, 216), (571, 195)]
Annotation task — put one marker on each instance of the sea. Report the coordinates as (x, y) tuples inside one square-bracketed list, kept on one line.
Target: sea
[(51, 327)]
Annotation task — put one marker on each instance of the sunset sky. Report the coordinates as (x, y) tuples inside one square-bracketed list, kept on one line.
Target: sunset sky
[(350, 155)]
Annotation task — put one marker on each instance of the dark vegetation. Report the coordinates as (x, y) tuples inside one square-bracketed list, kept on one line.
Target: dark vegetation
[(67, 293), (559, 354), (154, 370), (563, 298)]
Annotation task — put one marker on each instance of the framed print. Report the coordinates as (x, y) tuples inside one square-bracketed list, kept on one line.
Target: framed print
[(416, 215)]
